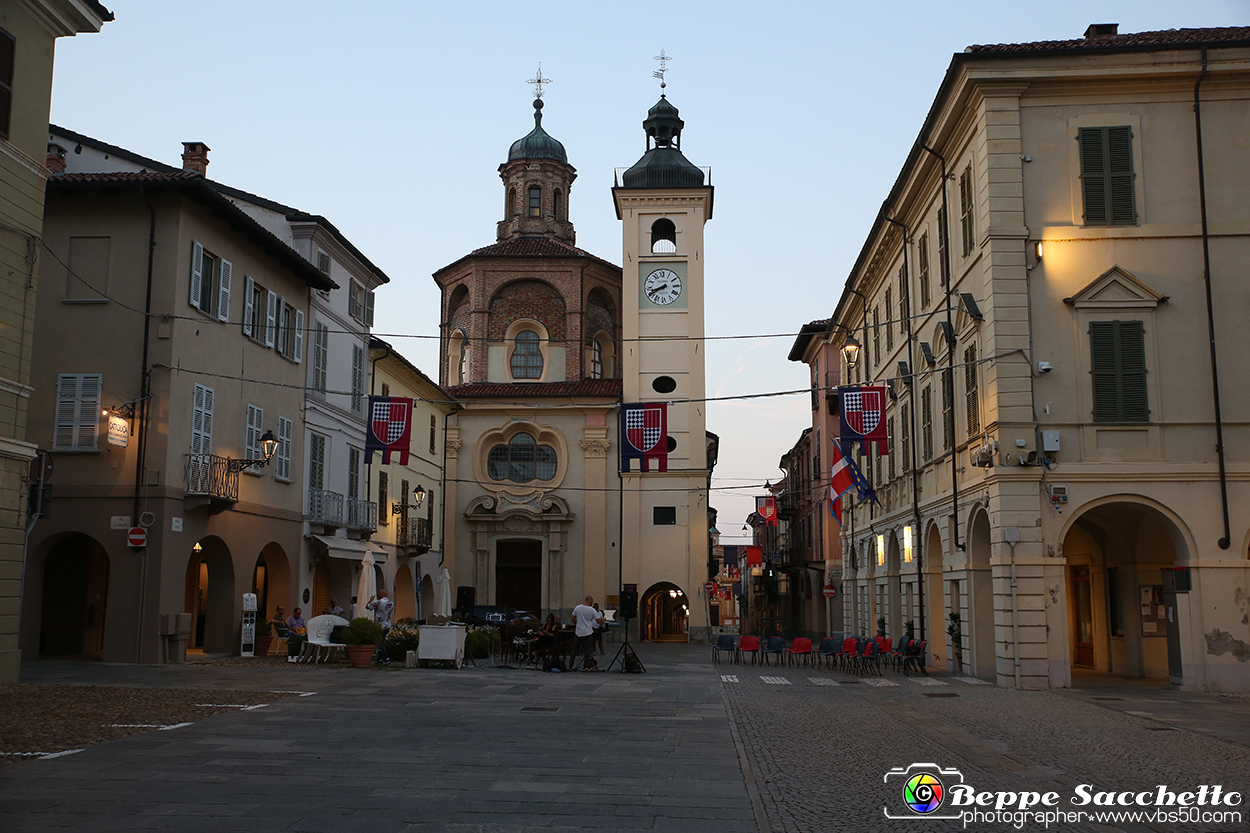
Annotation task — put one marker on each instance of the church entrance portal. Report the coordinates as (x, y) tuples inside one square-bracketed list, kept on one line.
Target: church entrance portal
[(519, 575)]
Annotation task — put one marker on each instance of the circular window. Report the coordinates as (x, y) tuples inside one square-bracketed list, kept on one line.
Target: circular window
[(522, 460), (672, 445), (664, 384)]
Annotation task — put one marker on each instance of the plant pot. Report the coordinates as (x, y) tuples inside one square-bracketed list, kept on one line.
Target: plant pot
[(261, 648), (359, 655), (959, 661)]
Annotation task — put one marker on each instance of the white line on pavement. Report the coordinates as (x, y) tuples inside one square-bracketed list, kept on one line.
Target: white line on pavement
[(879, 682), (43, 756), (729, 678), (927, 681), (971, 681), (300, 693), (823, 681), (775, 680)]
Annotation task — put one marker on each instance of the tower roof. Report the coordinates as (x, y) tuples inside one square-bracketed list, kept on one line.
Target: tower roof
[(538, 144), (663, 166)]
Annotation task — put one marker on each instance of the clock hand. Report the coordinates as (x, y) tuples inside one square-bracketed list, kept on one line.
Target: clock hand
[(658, 288)]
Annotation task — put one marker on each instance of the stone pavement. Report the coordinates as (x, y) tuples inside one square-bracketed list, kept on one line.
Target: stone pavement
[(690, 746)]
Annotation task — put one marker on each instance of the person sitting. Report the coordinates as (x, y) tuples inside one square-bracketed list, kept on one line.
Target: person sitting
[(333, 609), (296, 622), (279, 622), (541, 644)]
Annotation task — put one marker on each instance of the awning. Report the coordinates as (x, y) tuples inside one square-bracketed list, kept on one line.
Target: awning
[(350, 549)]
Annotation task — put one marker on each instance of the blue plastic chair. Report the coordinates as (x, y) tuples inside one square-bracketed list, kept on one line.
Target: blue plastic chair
[(828, 649), (724, 645), (776, 645)]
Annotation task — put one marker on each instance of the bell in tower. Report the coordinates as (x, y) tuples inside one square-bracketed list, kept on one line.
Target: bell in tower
[(537, 178)]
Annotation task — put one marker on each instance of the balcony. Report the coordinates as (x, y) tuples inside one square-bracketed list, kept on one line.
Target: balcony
[(211, 483), (325, 508), (362, 516), (414, 532)]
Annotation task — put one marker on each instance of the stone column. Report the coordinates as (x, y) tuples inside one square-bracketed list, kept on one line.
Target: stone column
[(595, 444)]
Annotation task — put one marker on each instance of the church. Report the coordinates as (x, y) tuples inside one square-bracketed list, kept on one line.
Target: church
[(543, 345)]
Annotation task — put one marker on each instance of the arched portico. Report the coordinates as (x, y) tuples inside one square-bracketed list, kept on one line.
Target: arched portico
[(665, 613), (978, 615), (210, 597)]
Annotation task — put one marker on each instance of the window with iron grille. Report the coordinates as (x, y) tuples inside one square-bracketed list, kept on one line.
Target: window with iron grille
[(926, 423), (948, 409), (1107, 175), (923, 270), (905, 427), (970, 390), (1118, 369), (889, 430), (965, 211)]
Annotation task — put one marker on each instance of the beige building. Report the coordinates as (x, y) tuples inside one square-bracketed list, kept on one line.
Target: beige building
[(410, 536), (1047, 290), (28, 33), (168, 307)]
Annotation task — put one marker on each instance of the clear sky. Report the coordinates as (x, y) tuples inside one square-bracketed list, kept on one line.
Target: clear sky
[(391, 118)]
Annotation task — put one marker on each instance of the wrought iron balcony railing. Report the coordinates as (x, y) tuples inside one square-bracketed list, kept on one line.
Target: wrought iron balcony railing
[(415, 532), (362, 515), (325, 508), (210, 476)]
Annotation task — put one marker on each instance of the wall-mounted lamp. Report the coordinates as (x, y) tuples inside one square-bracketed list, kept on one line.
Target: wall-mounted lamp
[(907, 544), (1037, 249), (418, 498), (850, 351), (268, 448), (880, 550), (197, 549)]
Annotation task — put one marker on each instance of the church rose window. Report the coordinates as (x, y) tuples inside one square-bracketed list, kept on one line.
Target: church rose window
[(522, 460), (527, 358)]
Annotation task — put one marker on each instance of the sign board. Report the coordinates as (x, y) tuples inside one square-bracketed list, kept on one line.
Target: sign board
[(119, 431), (175, 524), (41, 467), (137, 537), (119, 522)]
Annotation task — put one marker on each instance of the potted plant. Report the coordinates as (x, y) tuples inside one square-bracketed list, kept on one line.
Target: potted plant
[(880, 626), (360, 638), (264, 638), (955, 630), (909, 629)]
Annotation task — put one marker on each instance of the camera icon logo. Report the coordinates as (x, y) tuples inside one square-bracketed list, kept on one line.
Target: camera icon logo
[(922, 788)]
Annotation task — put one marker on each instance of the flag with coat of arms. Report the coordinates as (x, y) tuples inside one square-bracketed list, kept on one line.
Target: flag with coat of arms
[(861, 410), (390, 427), (644, 436)]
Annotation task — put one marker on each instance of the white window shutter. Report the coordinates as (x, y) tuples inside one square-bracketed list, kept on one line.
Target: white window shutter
[(369, 308), (249, 442), (353, 300), (208, 420), (223, 297), (299, 336), (283, 470), (249, 304), (283, 324), (197, 421), (89, 390), (66, 411), (271, 314), (197, 272)]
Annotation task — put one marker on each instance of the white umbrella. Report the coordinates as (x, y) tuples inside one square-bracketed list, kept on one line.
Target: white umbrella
[(367, 587), (442, 594)]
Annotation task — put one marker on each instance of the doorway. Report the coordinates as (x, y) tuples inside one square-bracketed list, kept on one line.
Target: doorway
[(75, 591), (1083, 608), (519, 575), (665, 614)]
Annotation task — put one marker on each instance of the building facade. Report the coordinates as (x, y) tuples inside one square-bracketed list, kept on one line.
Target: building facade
[(1046, 292), (28, 33)]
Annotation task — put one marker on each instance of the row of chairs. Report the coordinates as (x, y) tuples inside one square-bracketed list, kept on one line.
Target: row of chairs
[(856, 654)]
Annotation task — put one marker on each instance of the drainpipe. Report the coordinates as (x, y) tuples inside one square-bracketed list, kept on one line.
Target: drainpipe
[(915, 473), (141, 416), (950, 329), (1226, 541)]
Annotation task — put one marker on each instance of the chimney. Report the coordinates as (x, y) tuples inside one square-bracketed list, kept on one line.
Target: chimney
[(1099, 30), (195, 157), (56, 159)]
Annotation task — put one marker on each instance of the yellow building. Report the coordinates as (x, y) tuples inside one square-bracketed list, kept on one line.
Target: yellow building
[(28, 33), (1047, 290)]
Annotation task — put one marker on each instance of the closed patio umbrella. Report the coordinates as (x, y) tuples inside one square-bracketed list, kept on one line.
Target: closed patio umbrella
[(367, 587), (442, 594)]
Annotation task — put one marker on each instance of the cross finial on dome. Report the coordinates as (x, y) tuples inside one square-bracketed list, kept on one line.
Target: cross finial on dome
[(538, 82), (659, 73)]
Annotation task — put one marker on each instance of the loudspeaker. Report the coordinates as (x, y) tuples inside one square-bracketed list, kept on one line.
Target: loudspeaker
[(629, 604), (465, 598)]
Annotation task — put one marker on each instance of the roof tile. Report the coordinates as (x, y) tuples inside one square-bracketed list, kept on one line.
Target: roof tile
[(1164, 37)]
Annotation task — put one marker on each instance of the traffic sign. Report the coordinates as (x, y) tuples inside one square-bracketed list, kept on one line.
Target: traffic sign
[(137, 537), (830, 591), (709, 586), (41, 467)]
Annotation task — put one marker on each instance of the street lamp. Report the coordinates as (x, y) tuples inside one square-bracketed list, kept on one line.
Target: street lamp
[(850, 351), (268, 448), (418, 498)]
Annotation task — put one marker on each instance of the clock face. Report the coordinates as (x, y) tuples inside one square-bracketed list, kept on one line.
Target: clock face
[(663, 287)]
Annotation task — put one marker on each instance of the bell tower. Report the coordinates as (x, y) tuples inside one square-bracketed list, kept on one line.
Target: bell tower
[(663, 202)]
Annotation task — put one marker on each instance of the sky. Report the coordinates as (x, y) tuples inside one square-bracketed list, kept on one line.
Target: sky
[(391, 118)]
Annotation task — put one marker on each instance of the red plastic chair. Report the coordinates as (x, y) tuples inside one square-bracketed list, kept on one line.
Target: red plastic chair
[(868, 658), (801, 647), (847, 653), (749, 645)]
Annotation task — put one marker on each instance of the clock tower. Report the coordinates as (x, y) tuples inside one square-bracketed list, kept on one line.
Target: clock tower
[(663, 202)]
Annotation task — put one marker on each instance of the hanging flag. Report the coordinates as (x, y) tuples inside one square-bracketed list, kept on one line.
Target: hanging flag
[(755, 557), (846, 476), (766, 508), (390, 427), (835, 506), (731, 557), (862, 413), (737, 588), (644, 433)]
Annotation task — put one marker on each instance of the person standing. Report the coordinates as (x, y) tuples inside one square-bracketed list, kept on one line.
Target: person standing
[(596, 640), (382, 608), (333, 609), (585, 619)]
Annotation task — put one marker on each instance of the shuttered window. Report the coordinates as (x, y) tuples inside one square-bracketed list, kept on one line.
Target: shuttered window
[(8, 52), (889, 325), (321, 355), (948, 409), (943, 245), (255, 430), (1118, 359), (316, 461), (358, 378), (926, 422), (202, 420), (889, 431), (965, 211), (1107, 175), (77, 411), (923, 269), (971, 394), (905, 427), (210, 282), (876, 336), (384, 506), (283, 470), (904, 300), (353, 473)]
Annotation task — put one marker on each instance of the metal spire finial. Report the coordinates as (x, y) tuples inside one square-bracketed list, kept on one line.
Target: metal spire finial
[(659, 73), (538, 82)]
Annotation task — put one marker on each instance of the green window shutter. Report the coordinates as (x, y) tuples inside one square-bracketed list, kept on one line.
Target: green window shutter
[(1118, 371), (1107, 175)]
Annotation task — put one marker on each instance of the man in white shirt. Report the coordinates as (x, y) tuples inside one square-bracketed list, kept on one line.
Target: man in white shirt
[(382, 608), (586, 619)]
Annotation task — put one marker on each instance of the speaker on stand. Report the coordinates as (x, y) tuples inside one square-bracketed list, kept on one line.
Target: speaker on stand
[(625, 655), (466, 597)]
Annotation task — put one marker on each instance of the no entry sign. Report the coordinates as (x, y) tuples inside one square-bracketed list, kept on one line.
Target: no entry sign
[(709, 587), (137, 537)]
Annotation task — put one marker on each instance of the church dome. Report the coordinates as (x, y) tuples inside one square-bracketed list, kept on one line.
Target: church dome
[(538, 144)]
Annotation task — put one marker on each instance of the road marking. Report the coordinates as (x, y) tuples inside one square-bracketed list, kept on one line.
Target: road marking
[(971, 681), (300, 693), (775, 680), (157, 726), (927, 681), (823, 681), (43, 756), (878, 682), (729, 678)]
